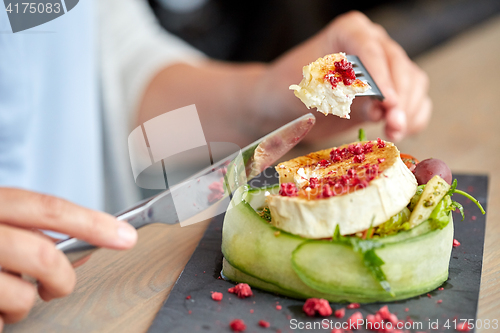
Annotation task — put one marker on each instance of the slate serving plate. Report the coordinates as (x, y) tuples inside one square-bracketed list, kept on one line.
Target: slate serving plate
[(200, 277)]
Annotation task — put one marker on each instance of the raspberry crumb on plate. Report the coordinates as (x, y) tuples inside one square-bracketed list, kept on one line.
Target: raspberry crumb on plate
[(463, 327), (216, 296), (242, 290), (340, 313), (353, 306), (263, 323), (319, 306), (355, 321), (238, 325)]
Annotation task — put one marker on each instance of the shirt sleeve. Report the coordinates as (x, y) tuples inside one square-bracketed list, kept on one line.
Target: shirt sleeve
[(133, 48)]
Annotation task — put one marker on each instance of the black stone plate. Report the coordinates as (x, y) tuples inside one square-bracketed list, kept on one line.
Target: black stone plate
[(201, 276)]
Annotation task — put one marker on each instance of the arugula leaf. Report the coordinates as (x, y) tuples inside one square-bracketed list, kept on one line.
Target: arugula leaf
[(456, 205), (265, 214), (369, 231), (361, 135), (337, 237), (471, 198), (366, 248), (452, 188), (374, 263)]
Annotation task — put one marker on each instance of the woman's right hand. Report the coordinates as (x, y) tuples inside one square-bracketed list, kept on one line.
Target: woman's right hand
[(25, 251)]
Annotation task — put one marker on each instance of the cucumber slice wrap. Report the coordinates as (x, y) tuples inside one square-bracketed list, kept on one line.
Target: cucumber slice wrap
[(414, 261)]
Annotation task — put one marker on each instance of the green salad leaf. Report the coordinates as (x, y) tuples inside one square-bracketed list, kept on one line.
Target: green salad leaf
[(440, 216), (453, 204), (361, 135), (265, 214), (366, 248), (395, 224)]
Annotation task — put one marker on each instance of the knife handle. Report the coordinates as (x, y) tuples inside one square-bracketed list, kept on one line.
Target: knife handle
[(76, 249)]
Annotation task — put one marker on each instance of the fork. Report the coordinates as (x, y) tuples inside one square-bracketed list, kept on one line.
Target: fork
[(362, 74)]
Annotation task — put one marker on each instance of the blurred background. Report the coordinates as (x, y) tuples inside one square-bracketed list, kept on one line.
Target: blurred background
[(261, 30)]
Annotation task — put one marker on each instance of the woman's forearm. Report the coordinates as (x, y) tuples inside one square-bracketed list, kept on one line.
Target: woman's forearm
[(222, 93)]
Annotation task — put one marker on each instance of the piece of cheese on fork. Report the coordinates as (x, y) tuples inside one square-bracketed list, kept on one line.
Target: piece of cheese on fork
[(330, 85), (352, 186)]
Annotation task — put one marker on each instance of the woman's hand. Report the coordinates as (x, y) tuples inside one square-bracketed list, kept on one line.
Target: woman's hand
[(23, 251), (406, 108)]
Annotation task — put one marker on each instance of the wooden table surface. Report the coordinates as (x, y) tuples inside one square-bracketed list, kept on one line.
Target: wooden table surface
[(122, 291)]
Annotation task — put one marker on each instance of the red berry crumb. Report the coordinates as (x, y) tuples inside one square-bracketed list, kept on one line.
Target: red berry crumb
[(317, 305), (355, 321), (359, 158), (439, 301), (380, 143), (429, 295), (440, 288), (407, 309), (189, 312), (251, 310), (456, 243), (216, 296), (242, 290), (263, 323), (473, 217), (463, 327), (238, 325), (288, 190), (323, 163), (353, 306), (385, 314), (188, 297), (278, 307), (340, 313)]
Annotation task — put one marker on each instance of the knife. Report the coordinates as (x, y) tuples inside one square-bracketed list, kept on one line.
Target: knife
[(209, 188)]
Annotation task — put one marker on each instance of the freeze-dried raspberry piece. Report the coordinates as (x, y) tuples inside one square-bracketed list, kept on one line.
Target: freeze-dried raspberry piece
[(216, 296), (317, 305), (456, 243), (263, 323), (353, 306), (340, 313), (238, 325), (242, 290), (355, 321), (463, 327)]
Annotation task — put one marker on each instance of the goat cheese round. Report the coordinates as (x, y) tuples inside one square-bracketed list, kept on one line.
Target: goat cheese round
[(353, 186)]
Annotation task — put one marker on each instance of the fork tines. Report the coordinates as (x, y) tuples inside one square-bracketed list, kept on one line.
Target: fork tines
[(362, 74)]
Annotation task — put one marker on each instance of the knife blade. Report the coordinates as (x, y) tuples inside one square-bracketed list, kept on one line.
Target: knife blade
[(209, 188)]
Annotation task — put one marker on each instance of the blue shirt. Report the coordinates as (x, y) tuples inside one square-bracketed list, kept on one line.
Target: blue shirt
[(50, 120)]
